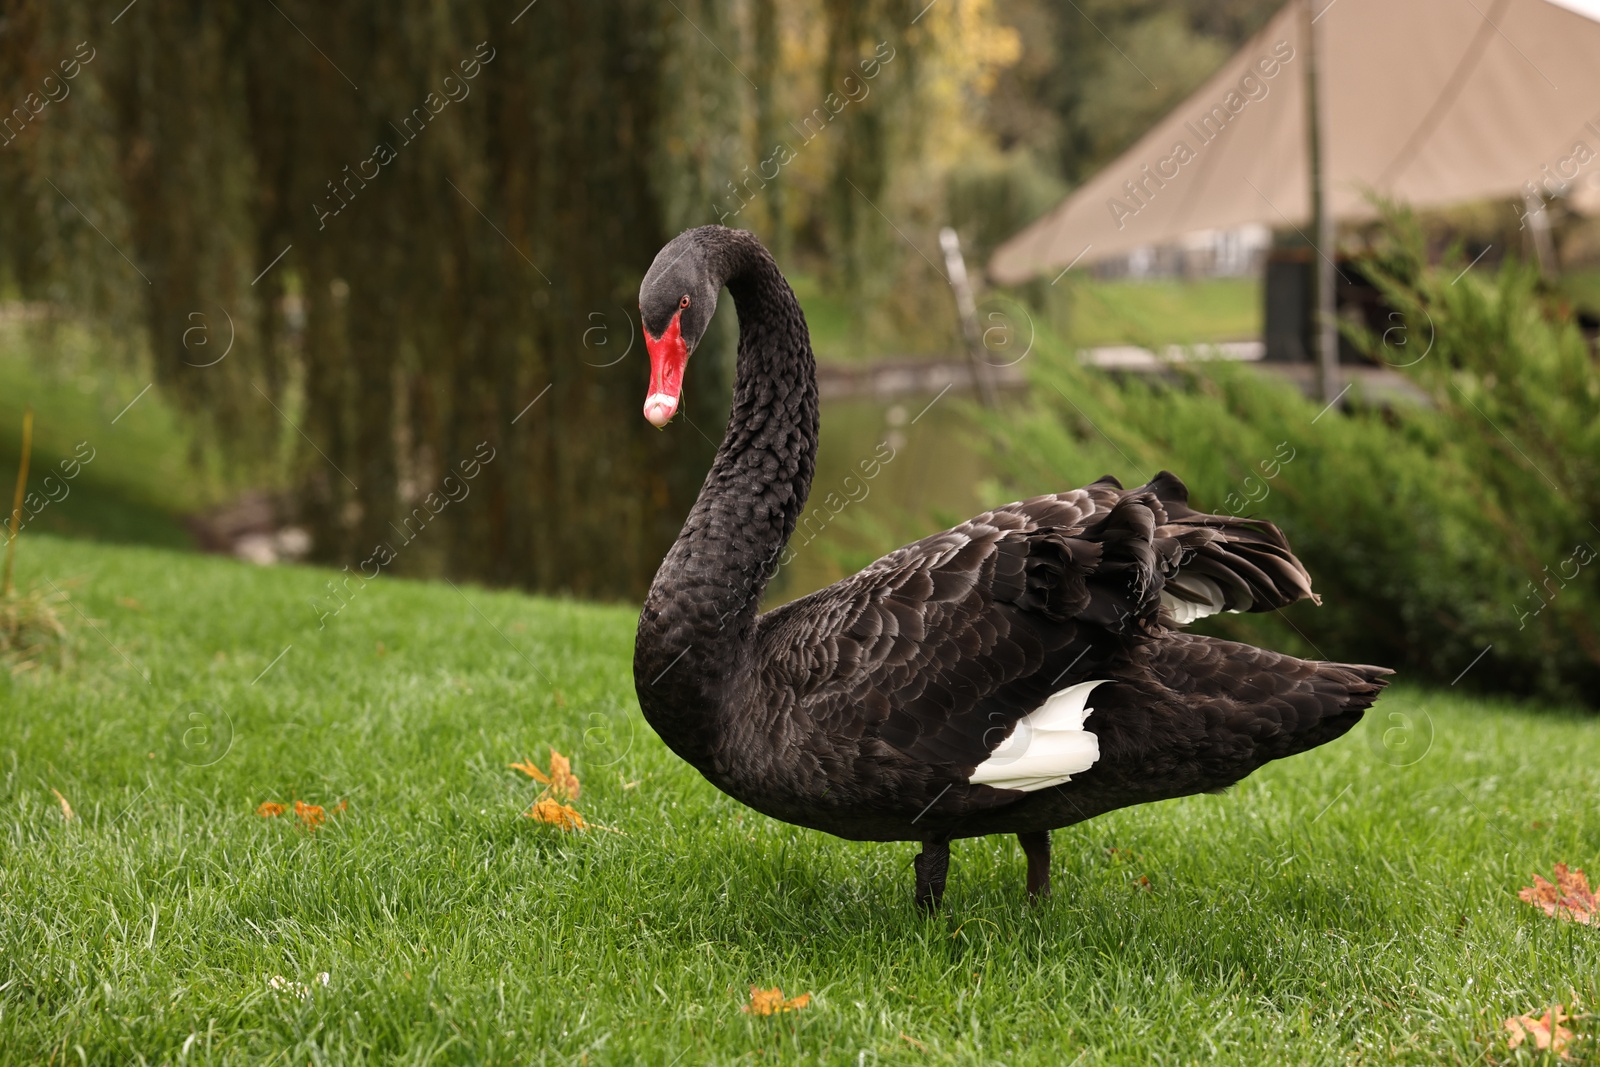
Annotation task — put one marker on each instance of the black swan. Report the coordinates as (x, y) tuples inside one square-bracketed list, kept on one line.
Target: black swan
[(1021, 672)]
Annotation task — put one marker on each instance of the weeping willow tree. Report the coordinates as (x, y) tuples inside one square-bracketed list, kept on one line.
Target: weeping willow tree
[(416, 231)]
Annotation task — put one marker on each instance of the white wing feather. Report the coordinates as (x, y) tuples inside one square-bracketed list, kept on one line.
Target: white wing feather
[(1047, 747), (1202, 597)]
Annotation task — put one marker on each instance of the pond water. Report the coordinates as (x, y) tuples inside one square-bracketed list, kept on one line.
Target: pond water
[(888, 472)]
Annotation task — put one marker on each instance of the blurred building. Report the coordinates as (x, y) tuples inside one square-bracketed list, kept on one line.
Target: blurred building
[(1232, 253)]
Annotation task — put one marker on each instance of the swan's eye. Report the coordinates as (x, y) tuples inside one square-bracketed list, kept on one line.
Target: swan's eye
[(684, 302)]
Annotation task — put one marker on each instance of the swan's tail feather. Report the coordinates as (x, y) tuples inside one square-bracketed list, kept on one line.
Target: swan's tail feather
[(1342, 694), (1218, 710)]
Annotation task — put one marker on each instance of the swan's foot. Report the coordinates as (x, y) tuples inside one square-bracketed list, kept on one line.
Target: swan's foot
[(1036, 846), (931, 864)]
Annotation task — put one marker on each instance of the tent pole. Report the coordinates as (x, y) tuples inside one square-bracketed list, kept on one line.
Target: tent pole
[(1325, 321), (1538, 224)]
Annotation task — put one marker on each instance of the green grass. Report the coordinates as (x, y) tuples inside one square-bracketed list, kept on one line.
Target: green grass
[(1164, 311), (138, 481), (1159, 312), (839, 336), (1334, 908), (1582, 287), (833, 335)]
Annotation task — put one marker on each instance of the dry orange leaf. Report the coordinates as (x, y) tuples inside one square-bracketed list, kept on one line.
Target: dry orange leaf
[(771, 1002), (556, 814), (562, 782), (310, 814), (1569, 898), (66, 809), (269, 809), (1546, 1031)]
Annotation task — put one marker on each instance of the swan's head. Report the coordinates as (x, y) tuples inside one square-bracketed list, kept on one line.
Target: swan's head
[(676, 301)]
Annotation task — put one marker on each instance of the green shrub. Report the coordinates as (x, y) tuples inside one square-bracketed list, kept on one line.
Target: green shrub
[(1427, 530), (1516, 388)]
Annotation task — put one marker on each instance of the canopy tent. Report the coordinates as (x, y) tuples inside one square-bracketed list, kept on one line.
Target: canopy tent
[(1429, 102)]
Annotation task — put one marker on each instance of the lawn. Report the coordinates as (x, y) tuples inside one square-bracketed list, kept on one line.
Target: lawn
[(1334, 908), (134, 481), (1164, 311), (1160, 311)]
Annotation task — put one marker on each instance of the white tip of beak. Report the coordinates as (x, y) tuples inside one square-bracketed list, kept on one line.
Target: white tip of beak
[(659, 409)]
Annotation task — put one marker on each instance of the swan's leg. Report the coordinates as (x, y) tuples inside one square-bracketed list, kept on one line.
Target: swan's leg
[(1036, 846), (932, 864)]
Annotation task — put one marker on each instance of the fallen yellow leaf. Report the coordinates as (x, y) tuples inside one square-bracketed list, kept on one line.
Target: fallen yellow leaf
[(771, 1002), (310, 814), (563, 784), (269, 810), (66, 809), (556, 814), (1546, 1031), (531, 769), (1569, 898)]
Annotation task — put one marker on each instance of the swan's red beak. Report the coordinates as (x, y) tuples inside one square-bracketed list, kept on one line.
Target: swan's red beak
[(668, 357)]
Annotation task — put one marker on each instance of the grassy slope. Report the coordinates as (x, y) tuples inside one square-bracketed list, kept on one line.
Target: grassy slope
[(1159, 312), (1333, 908), (137, 483), (1164, 311)]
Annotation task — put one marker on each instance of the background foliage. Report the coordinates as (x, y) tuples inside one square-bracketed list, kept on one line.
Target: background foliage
[(199, 192), (1435, 534), (498, 253)]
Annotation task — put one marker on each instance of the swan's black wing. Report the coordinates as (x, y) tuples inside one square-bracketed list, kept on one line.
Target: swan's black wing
[(1213, 563), (937, 649)]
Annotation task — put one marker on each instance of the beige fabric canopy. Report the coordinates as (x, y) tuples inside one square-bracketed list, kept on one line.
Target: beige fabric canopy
[(1429, 102)]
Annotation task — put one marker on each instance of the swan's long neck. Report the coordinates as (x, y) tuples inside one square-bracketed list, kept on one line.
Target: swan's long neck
[(698, 618)]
